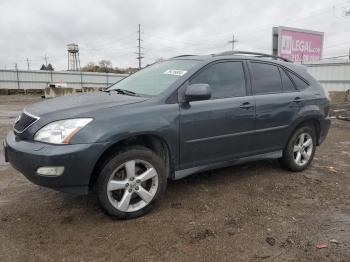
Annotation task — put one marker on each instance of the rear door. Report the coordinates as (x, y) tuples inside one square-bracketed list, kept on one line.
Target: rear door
[(218, 129), (277, 104)]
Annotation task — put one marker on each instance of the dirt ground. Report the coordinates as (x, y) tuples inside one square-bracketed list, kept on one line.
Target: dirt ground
[(254, 212)]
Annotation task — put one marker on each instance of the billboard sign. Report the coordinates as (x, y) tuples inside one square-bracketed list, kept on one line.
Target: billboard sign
[(297, 45)]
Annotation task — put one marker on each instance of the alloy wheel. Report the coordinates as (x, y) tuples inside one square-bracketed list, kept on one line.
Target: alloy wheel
[(132, 186), (302, 149)]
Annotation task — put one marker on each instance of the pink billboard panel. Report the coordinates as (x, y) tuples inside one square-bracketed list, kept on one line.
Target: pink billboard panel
[(300, 45)]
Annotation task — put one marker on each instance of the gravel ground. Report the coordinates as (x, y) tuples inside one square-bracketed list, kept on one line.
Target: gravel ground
[(254, 212)]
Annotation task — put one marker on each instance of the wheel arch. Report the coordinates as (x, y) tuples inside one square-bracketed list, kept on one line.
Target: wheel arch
[(154, 142), (314, 121)]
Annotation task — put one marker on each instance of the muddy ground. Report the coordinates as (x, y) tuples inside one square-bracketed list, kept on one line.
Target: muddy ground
[(254, 212)]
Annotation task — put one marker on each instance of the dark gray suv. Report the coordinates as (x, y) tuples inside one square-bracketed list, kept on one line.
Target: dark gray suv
[(169, 120)]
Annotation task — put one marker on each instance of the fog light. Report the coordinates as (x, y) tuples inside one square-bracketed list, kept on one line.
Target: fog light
[(50, 170)]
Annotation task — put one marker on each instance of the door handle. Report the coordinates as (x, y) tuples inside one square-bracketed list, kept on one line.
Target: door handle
[(246, 105), (297, 100)]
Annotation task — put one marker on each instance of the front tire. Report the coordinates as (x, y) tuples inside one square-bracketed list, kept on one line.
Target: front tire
[(131, 182), (300, 149)]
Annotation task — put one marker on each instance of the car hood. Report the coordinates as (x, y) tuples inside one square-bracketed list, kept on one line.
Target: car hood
[(76, 104)]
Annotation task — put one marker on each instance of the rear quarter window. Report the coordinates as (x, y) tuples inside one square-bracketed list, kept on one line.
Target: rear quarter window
[(299, 83), (288, 85)]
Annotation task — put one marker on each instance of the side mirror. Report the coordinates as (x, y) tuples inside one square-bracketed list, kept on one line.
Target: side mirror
[(197, 92)]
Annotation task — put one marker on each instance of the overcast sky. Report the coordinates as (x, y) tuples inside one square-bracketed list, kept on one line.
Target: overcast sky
[(107, 29)]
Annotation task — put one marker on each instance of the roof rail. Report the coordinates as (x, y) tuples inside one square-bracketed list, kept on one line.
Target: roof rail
[(255, 54), (182, 56)]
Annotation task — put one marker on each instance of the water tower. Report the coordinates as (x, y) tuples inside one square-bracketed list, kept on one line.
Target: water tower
[(73, 57)]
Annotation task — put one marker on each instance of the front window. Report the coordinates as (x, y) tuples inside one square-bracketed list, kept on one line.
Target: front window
[(154, 79), (226, 79)]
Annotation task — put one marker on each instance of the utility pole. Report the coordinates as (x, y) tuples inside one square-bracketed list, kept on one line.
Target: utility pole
[(233, 41), (139, 57), (28, 64), (45, 57)]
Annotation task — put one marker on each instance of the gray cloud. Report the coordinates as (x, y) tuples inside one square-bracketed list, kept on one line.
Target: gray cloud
[(107, 29)]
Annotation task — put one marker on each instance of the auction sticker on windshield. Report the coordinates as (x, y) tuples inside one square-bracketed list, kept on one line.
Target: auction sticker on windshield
[(175, 72)]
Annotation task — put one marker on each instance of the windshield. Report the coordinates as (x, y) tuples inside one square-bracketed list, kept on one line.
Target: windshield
[(156, 78)]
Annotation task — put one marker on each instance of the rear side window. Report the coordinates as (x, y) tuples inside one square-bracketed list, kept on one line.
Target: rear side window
[(286, 82), (267, 78), (226, 79), (299, 83)]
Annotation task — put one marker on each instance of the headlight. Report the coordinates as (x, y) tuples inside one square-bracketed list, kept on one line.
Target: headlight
[(62, 131)]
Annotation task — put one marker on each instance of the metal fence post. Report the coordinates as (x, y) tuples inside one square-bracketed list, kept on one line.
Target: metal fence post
[(18, 86), (81, 79)]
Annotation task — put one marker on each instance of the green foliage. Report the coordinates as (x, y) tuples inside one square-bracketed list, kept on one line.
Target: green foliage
[(49, 67), (105, 66)]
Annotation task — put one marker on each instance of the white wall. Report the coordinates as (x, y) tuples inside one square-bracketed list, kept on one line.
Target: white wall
[(40, 79), (333, 75)]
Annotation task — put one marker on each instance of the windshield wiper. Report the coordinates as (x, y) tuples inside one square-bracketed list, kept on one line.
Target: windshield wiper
[(123, 92)]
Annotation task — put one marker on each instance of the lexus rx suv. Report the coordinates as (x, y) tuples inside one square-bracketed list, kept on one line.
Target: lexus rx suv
[(169, 120)]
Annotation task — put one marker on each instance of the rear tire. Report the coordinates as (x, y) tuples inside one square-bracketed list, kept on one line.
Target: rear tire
[(131, 182), (300, 149)]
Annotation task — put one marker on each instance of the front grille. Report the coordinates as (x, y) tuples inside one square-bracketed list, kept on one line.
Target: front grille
[(24, 122)]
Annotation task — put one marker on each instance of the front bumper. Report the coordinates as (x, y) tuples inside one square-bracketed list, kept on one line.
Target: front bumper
[(78, 161)]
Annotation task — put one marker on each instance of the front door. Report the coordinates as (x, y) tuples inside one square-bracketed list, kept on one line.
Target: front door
[(218, 129)]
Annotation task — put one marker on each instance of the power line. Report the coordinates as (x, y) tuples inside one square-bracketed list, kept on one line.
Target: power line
[(182, 46), (336, 45), (253, 30), (108, 43)]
